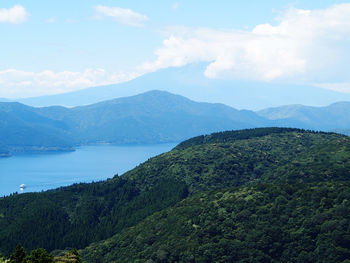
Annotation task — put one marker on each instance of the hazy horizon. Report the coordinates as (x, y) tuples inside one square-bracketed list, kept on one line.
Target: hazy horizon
[(298, 47)]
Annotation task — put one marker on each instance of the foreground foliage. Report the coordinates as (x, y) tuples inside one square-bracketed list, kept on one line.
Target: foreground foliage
[(265, 223), (40, 255)]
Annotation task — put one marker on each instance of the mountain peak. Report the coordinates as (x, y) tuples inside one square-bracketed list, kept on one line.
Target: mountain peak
[(190, 81)]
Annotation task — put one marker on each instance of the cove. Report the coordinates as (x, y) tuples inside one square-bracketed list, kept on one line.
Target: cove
[(89, 163)]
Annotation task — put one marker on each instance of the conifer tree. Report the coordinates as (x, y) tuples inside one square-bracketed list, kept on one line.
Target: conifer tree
[(18, 255)]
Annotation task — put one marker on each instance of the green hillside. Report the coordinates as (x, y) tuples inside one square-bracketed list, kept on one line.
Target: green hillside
[(265, 223), (78, 215), (250, 156), (83, 213)]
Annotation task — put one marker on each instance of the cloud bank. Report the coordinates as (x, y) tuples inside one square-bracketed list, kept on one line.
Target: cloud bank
[(20, 84), (305, 46), (14, 15), (122, 15)]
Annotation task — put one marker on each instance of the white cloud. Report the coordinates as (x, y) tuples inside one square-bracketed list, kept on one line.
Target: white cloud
[(306, 46), (17, 83), (343, 87), (122, 15), (14, 15)]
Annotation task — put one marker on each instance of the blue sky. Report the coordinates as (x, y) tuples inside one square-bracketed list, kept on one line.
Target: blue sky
[(54, 46)]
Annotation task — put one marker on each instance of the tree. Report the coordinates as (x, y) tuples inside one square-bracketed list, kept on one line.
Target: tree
[(75, 253), (2, 259), (71, 256), (18, 255), (39, 255)]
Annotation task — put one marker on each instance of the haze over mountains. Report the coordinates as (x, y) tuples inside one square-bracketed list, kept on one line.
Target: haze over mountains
[(334, 116), (189, 81), (24, 129), (151, 117)]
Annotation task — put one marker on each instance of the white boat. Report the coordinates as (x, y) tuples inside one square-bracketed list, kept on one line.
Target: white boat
[(22, 186)]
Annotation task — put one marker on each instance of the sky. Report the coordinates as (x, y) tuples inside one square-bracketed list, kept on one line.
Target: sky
[(50, 47)]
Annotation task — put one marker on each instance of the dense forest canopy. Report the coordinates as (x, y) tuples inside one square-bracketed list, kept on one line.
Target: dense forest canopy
[(265, 223)]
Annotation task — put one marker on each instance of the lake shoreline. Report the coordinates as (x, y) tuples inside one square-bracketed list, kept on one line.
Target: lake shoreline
[(37, 150), (41, 150), (5, 155), (41, 171)]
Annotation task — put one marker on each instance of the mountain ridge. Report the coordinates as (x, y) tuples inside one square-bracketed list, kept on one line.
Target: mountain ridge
[(331, 117), (151, 117)]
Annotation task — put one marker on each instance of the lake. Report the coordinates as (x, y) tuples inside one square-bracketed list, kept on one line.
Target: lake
[(89, 163)]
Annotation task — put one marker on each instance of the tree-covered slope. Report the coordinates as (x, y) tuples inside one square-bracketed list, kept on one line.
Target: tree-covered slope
[(78, 215), (249, 156), (265, 223)]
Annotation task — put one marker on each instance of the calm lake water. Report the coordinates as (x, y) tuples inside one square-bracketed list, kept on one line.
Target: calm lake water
[(90, 163)]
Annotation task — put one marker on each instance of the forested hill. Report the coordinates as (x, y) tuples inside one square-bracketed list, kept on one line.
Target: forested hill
[(290, 202), (284, 160), (250, 156), (266, 223), (229, 136)]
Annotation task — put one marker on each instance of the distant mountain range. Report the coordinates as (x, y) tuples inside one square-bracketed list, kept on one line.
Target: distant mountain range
[(151, 117), (333, 117), (189, 81)]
